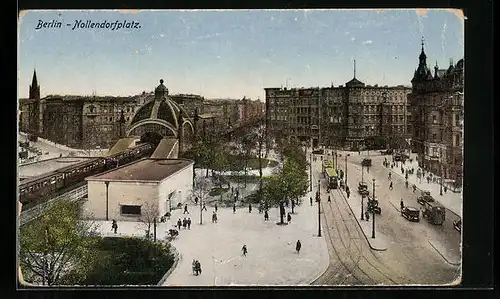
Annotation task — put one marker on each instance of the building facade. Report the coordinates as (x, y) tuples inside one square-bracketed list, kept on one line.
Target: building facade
[(437, 106), (352, 116), (99, 121)]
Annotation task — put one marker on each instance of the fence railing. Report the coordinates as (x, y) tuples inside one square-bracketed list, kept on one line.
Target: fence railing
[(36, 211)]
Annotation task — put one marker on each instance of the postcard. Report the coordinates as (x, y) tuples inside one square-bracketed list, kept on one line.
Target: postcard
[(240, 147)]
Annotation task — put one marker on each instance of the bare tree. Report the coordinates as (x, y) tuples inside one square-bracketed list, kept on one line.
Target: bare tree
[(201, 188), (149, 215)]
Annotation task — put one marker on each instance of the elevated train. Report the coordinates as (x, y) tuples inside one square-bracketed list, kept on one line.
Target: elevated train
[(33, 190)]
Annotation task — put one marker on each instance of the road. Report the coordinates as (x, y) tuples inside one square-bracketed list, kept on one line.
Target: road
[(409, 259)]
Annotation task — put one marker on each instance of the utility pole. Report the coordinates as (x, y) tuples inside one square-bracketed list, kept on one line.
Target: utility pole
[(318, 196), (362, 173), (441, 170), (373, 211), (201, 209), (310, 173), (154, 229), (346, 169), (362, 212), (107, 205)]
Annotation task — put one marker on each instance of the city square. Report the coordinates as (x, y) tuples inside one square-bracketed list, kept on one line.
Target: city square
[(253, 182)]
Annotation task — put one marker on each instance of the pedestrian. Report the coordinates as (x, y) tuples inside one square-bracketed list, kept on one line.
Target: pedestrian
[(367, 216), (445, 188), (406, 174), (414, 188), (249, 208), (311, 200), (179, 224), (114, 226), (214, 217), (348, 193), (390, 175), (216, 208), (234, 208), (329, 200), (266, 215), (204, 207), (390, 186), (196, 200), (185, 209), (189, 223), (193, 266), (402, 204), (162, 219), (298, 246), (198, 267), (244, 250), (289, 217), (184, 223)]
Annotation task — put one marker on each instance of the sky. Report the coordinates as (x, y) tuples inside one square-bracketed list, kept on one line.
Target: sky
[(229, 54)]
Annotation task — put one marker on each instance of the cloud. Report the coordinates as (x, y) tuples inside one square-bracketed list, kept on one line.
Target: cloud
[(353, 38), (366, 42)]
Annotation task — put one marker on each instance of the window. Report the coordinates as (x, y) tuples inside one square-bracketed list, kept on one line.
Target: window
[(110, 119), (130, 210), (433, 119), (433, 136)]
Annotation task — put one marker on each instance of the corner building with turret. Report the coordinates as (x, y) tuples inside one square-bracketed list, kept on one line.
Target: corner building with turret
[(437, 109)]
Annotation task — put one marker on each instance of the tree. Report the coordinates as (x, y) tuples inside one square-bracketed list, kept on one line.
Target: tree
[(57, 245), (221, 164), (289, 184), (90, 138), (201, 188), (149, 215), (248, 143)]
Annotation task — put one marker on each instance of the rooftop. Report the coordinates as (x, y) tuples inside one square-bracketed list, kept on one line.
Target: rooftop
[(39, 168), (147, 169)]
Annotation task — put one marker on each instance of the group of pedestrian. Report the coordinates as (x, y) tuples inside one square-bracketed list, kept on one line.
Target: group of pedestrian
[(185, 223), (196, 267)]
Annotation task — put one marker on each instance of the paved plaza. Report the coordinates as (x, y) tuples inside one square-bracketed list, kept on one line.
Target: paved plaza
[(271, 257)]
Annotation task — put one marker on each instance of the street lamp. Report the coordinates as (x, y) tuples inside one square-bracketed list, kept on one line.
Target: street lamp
[(441, 170), (346, 169), (318, 198), (373, 211), (362, 213), (310, 173), (107, 205)]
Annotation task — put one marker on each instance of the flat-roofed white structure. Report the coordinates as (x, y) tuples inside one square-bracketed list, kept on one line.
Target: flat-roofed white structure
[(139, 189)]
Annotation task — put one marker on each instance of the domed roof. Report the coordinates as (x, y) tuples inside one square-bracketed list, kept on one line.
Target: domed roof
[(162, 108)]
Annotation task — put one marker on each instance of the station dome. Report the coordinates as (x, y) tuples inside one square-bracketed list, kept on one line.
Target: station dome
[(161, 110)]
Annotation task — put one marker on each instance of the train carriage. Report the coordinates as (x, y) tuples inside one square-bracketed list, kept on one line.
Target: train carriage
[(331, 177)]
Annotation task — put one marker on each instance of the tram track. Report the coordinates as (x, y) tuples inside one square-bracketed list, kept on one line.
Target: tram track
[(350, 257)]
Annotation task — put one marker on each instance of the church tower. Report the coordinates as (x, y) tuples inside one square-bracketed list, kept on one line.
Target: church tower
[(34, 88), (35, 111)]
